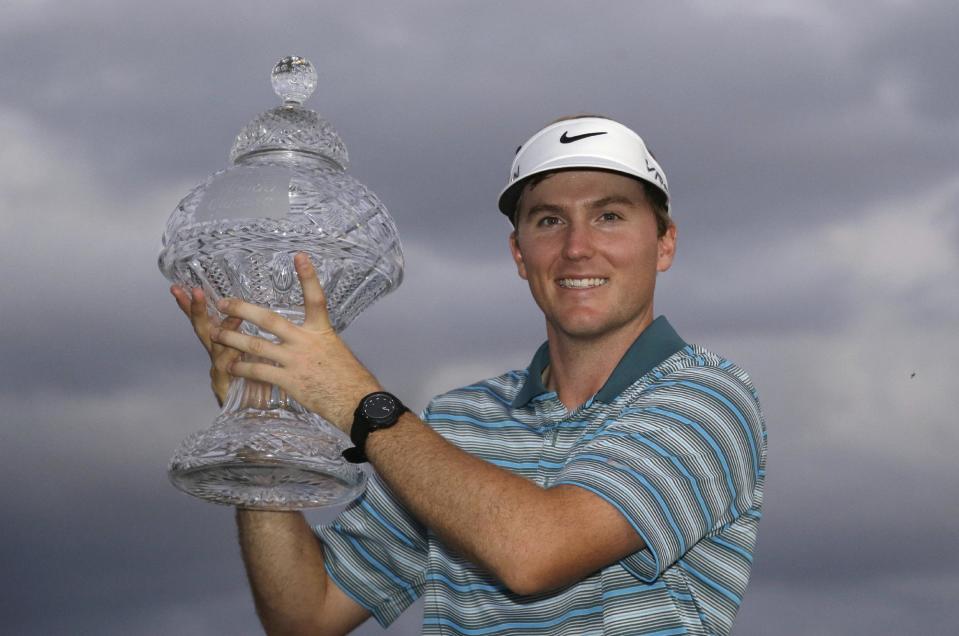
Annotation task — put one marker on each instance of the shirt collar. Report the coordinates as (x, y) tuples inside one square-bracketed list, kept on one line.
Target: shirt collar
[(657, 342)]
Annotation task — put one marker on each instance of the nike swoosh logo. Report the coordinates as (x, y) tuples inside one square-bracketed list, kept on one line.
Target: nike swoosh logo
[(564, 139)]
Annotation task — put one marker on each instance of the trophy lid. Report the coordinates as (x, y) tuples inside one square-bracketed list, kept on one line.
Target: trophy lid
[(291, 127)]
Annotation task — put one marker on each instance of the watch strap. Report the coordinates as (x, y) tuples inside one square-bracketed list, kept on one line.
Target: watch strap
[(363, 426)]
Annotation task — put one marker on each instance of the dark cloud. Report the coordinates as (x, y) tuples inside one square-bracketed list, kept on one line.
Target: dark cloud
[(810, 150), (758, 121), (916, 53)]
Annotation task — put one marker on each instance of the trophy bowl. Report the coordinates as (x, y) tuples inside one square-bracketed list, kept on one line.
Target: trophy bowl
[(234, 235)]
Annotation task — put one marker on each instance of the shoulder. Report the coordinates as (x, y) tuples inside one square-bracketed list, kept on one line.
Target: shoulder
[(697, 393), (695, 371), (491, 394), (478, 417)]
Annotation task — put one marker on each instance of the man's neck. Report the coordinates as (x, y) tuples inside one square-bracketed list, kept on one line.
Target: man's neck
[(578, 368)]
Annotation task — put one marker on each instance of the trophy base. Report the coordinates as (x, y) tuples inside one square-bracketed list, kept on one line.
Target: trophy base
[(268, 460), (265, 486)]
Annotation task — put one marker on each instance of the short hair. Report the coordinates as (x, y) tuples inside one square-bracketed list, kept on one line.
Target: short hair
[(654, 196)]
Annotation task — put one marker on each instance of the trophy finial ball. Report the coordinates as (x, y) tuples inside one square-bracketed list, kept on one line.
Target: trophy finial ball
[(293, 79)]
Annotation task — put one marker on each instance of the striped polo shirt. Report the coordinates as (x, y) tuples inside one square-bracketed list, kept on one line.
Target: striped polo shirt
[(675, 440)]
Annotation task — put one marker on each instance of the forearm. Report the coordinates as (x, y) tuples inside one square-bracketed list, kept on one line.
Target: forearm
[(284, 563), (492, 516)]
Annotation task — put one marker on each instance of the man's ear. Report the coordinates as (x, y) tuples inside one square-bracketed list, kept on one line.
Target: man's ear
[(517, 254), (666, 249)]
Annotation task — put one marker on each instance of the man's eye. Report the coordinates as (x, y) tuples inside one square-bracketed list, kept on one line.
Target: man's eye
[(548, 220), (610, 216)]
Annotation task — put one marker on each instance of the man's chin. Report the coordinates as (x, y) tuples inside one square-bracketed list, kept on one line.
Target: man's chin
[(584, 328)]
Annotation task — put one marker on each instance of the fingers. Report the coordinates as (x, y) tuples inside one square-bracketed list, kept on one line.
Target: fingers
[(259, 316), (223, 355), (192, 303), (232, 323), (199, 317), (182, 299), (249, 344), (224, 359), (258, 371), (314, 300)]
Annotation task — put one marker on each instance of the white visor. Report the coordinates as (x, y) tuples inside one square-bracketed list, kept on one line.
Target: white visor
[(586, 142)]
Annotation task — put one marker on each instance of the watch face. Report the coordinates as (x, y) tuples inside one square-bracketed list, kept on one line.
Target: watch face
[(379, 407)]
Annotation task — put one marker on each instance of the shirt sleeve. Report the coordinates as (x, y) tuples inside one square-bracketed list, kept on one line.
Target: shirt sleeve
[(680, 462), (376, 552)]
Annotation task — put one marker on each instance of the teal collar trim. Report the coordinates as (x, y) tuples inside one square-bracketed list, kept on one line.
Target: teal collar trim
[(534, 377), (657, 342)]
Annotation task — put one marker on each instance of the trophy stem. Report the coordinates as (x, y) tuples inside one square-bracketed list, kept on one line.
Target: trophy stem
[(266, 451), (252, 394)]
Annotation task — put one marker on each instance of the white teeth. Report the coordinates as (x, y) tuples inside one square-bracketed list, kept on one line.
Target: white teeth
[(582, 283)]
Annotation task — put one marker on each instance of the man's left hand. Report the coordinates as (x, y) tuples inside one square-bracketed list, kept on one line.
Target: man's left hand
[(312, 363)]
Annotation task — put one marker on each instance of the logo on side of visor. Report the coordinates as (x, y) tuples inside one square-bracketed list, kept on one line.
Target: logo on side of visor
[(657, 175)]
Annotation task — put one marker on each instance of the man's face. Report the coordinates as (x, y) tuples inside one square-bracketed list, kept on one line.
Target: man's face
[(586, 242)]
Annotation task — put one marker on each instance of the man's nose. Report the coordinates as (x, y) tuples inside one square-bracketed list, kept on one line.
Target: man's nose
[(579, 241)]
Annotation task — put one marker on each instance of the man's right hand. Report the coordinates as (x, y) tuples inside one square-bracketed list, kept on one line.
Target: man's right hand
[(192, 303)]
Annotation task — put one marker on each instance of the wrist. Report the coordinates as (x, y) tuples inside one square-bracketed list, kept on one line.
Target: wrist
[(344, 417), (376, 411)]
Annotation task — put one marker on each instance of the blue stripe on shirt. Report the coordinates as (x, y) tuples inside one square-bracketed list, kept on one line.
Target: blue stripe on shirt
[(709, 440), (735, 411), (386, 524), (662, 452), (515, 625), (667, 512), (710, 582)]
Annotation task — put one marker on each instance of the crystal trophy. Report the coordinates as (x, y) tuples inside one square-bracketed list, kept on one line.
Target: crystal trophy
[(234, 235)]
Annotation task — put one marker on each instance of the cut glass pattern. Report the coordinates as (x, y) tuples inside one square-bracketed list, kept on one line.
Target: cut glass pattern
[(235, 235)]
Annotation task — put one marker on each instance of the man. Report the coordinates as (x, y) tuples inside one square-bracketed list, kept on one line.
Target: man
[(612, 487)]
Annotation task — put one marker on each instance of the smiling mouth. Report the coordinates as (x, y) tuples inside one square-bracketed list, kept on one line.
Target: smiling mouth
[(582, 283)]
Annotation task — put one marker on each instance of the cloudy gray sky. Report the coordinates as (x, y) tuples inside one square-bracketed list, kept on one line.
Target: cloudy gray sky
[(812, 155)]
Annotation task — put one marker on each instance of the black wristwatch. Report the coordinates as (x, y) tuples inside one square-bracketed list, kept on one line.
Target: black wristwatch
[(375, 411)]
